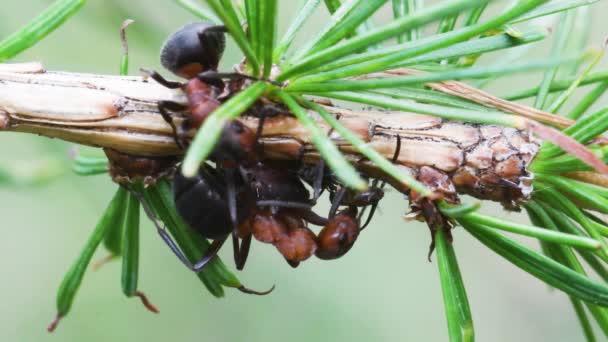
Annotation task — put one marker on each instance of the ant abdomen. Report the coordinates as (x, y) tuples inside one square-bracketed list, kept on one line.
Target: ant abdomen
[(192, 49), (267, 228), (298, 245), (201, 202), (276, 183)]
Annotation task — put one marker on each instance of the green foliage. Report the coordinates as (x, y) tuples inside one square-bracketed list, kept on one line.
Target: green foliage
[(540, 266), (215, 275), (457, 310), (326, 147), (55, 15), (348, 46), (365, 150), (130, 247), (73, 278)]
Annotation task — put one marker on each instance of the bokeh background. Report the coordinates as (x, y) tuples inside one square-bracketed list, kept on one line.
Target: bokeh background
[(383, 290)]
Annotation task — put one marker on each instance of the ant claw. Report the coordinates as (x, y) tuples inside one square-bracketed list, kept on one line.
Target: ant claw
[(243, 289), (54, 323), (144, 300)]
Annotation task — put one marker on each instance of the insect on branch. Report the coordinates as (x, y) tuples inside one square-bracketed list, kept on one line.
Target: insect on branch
[(121, 113)]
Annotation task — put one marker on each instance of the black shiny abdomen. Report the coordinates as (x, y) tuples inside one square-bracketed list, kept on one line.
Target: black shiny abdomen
[(276, 182), (185, 47), (201, 202)]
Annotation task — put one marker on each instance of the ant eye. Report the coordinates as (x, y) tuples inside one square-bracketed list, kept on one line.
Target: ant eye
[(194, 48)]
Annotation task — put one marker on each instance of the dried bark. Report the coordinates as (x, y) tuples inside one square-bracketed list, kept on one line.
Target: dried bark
[(486, 161)]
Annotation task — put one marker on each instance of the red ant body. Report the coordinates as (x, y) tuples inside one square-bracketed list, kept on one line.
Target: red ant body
[(243, 196), (190, 53)]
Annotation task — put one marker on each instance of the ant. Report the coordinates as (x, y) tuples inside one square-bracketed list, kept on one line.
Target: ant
[(242, 196), (338, 235), (341, 232), (282, 209), (206, 202), (193, 52), (273, 206), (320, 178)]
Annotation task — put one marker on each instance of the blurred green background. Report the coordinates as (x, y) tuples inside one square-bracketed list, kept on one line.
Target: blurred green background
[(384, 289)]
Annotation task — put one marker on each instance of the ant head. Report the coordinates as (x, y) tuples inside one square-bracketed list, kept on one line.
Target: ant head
[(194, 48), (338, 235)]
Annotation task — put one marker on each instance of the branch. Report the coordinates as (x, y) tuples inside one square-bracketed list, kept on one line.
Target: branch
[(121, 113)]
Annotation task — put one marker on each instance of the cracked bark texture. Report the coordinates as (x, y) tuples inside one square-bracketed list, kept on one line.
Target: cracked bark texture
[(120, 113)]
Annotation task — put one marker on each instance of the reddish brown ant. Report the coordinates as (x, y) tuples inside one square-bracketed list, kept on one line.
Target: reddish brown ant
[(341, 231), (243, 196), (193, 52), (286, 232), (190, 52), (323, 179), (282, 206), (338, 235)]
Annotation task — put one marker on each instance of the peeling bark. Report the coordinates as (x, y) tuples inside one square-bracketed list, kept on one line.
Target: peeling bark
[(120, 113)]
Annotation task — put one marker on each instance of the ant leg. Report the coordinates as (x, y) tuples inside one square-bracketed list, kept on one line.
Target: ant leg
[(373, 208), (231, 196), (162, 231), (210, 253), (258, 147), (240, 252), (382, 185), (210, 76), (318, 183), (312, 217), (199, 265), (161, 80), (337, 201), (240, 258), (283, 204), (372, 211), (164, 107)]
